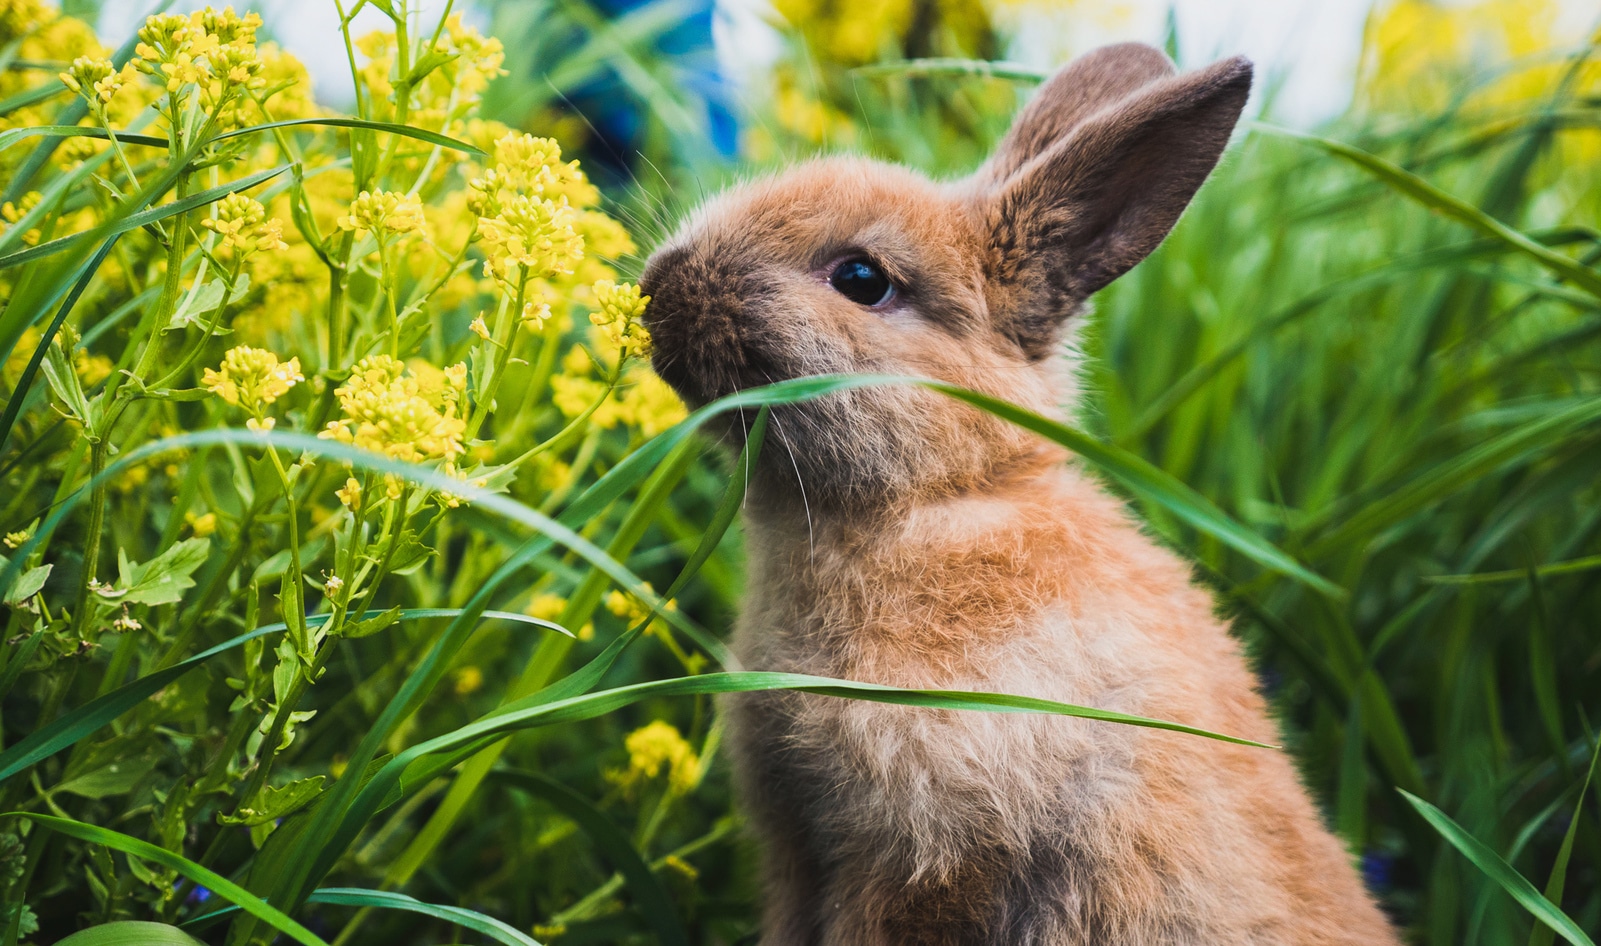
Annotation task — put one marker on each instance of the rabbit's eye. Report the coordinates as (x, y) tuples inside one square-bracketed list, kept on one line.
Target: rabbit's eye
[(861, 282)]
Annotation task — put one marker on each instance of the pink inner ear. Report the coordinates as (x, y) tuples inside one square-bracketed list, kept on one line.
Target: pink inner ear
[(1085, 86)]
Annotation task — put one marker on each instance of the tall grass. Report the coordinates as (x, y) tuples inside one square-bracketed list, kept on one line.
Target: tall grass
[(1357, 385)]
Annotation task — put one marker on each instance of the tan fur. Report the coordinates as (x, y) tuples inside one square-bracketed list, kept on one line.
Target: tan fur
[(899, 537)]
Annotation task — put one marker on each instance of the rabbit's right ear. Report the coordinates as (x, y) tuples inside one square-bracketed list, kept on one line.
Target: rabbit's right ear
[(1093, 81), (1099, 184)]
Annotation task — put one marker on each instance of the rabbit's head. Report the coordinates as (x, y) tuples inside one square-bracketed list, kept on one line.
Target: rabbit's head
[(847, 265)]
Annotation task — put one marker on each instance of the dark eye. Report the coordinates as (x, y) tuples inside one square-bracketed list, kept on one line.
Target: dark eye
[(862, 282)]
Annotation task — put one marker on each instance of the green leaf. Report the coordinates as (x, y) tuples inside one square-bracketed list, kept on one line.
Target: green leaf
[(1153, 484), (371, 626), (405, 131), (142, 218), (1557, 882), (72, 726), (1588, 563), (216, 883), (1457, 209), (538, 710), (651, 898), (12, 136), (117, 778), (199, 305), (951, 66), (130, 933), (1498, 870), (28, 585), (410, 554), (275, 803), (495, 929), (163, 579)]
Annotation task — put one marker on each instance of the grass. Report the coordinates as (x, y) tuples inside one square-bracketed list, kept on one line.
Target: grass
[(1358, 386)]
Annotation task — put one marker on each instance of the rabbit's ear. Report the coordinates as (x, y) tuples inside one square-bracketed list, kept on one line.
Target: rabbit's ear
[(1092, 82), (1088, 207)]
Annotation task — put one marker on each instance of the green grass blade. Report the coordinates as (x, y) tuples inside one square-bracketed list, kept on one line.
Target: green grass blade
[(216, 883), (1154, 485), (78, 723), (131, 933), (951, 66), (1542, 935), (19, 393), (11, 136), (651, 898), (498, 930), (405, 131), (1457, 209), (1498, 870), (1436, 482), (1588, 563), (142, 218)]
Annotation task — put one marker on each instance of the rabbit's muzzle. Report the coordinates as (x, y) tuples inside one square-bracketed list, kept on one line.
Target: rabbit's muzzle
[(707, 325)]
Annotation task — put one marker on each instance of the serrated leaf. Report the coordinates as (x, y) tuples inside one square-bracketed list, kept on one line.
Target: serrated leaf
[(163, 579), (275, 803)]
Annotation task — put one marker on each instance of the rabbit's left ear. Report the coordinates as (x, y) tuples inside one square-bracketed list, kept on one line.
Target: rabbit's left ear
[(1085, 209)]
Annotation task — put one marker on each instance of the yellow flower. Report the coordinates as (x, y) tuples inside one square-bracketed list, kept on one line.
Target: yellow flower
[(201, 525), (388, 411), (546, 607), (535, 316), (243, 225), (479, 328), (14, 540), (656, 746), (91, 369), (350, 493), (252, 377), (384, 212), (533, 234), (618, 308), (650, 406), (98, 75), (468, 679)]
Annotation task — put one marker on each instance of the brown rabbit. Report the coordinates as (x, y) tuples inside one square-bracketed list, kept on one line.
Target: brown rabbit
[(899, 537)]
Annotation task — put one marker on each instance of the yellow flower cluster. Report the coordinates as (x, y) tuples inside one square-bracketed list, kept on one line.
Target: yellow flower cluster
[(384, 213), (527, 226), (252, 377), (244, 227), (656, 746), (631, 609), (390, 411), (97, 75), (618, 310), (212, 51)]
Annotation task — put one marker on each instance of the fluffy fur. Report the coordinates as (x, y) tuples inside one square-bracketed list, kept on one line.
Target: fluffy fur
[(899, 537)]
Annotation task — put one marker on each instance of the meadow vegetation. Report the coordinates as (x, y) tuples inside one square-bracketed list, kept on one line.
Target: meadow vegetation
[(362, 584)]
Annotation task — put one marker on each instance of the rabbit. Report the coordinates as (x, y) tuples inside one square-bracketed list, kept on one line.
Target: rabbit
[(898, 536)]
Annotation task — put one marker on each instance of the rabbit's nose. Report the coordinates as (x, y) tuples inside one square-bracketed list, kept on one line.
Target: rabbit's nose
[(659, 269)]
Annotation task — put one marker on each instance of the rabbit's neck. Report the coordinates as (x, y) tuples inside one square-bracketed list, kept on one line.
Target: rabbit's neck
[(923, 593)]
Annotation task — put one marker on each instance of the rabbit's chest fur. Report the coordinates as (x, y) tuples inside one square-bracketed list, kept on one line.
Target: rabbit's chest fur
[(912, 825)]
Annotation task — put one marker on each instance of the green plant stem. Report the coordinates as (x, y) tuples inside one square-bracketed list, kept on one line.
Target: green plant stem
[(547, 660)]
